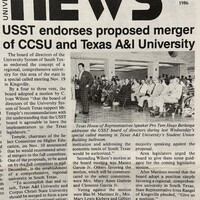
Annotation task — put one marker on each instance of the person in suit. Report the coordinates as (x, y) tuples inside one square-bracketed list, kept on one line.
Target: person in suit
[(172, 95), (85, 81), (124, 93), (141, 92), (155, 92)]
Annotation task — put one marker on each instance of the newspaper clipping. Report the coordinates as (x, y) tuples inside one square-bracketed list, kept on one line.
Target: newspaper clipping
[(99, 100)]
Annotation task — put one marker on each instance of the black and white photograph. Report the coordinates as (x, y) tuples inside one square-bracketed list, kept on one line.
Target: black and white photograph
[(133, 86), (99, 100)]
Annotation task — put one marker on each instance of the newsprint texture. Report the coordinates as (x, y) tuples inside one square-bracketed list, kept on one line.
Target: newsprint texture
[(99, 100)]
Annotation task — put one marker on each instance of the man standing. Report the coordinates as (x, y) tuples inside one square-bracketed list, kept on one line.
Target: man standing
[(85, 81)]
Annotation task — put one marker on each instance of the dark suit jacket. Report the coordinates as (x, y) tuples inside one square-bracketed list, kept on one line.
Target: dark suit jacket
[(126, 91), (86, 79)]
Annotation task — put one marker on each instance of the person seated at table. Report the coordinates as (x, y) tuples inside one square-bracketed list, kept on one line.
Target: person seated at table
[(171, 96)]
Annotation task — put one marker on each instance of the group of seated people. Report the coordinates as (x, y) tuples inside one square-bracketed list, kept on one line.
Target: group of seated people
[(154, 92), (107, 92)]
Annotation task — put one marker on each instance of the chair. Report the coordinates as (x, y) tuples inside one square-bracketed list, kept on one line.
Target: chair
[(173, 107), (127, 101), (145, 105), (188, 107)]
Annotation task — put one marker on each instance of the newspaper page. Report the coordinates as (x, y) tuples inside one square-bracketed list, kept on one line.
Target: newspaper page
[(99, 100)]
